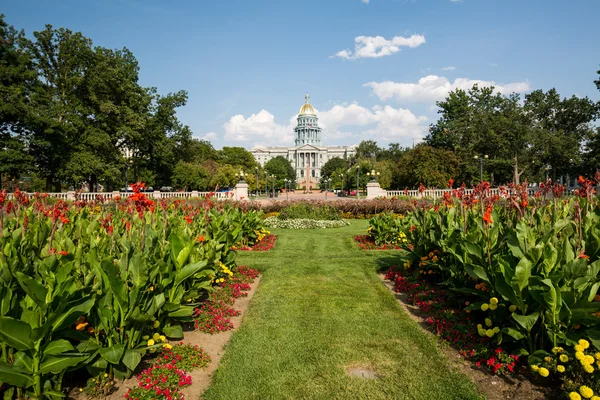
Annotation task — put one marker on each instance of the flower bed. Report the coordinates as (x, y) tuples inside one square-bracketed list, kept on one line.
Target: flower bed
[(366, 242), (275, 222), (265, 244)]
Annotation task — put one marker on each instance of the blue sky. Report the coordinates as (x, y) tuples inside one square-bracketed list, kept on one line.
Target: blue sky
[(247, 64)]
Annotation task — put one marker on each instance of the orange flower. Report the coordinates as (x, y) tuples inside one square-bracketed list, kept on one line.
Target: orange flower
[(63, 253), (201, 238), (81, 326), (450, 183), (487, 218)]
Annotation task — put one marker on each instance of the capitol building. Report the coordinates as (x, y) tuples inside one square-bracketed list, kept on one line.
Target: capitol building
[(308, 155)]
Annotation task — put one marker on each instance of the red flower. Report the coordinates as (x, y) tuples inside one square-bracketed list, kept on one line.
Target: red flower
[(201, 238), (450, 183), (63, 253), (583, 255), (487, 218), (581, 179)]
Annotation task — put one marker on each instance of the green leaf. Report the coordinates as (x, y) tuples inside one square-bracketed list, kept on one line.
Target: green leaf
[(22, 360), (33, 288), (132, 358), (188, 271), (58, 346), (522, 274), (474, 249), (183, 311), (56, 365), (476, 271), (113, 354), (16, 333), (526, 321), (16, 376), (97, 367), (515, 334), (139, 274), (173, 332)]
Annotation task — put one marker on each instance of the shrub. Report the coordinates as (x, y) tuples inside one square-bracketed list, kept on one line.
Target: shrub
[(275, 222)]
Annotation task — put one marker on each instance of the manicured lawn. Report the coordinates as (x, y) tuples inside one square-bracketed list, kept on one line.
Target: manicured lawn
[(321, 308)]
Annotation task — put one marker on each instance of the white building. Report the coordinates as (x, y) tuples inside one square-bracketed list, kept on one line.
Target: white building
[(307, 150)]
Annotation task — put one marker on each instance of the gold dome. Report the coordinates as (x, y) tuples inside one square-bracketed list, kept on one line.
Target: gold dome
[(307, 108)]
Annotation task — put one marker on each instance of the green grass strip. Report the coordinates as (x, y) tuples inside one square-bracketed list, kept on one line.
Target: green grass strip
[(321, 308)]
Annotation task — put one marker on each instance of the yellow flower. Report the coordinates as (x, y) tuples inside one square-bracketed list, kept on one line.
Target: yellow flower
[(597, 355), (106, 375), (163, 338), (586, 391), (156, 336), (547, 359), (488, 322), (588, 368), (485, 306), (564, 358), (156, 324), (560, 368), (496, 330), (584, 343), (578, 347), (493, 306), (574, 396), (535, 368), (556, 350), (489, 333), (595, 398), (494, 300), (579, 355), (512, 308), (151, 342), (167, 346), (544, 372), (588, 360)]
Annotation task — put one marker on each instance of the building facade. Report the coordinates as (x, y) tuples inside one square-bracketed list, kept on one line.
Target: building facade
[(308, 155)]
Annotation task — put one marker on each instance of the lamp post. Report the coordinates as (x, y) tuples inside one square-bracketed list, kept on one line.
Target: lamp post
[(285, 184), (327, 186), (357, 182), (273, 186), (373, 174), (128, 160), (481, 160), (241, 176), (257, 193)]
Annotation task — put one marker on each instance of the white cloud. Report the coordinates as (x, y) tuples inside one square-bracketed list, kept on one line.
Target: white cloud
[(378, 46), (433, 88), (209, 136), (456, 1), (384, 123), (257, 127), (364, 1), (449, 68)]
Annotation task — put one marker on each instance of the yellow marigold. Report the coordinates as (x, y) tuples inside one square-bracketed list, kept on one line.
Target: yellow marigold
[(489, 333), (584, 343), (535, 368), (493, 306), (485, 306), (494, 300), (578, 347), (496, 330), (167, 346), (544, 372), (156, 336), (588, 368), (488, 322), (557, 350), (574, 396), (560, 368), (481, 332), (579, 355), (597, 355), (151, 342), (548, 359), (564, 358), (595, 398), (586, 391), (163, 338), (589, 360), (512, 308)]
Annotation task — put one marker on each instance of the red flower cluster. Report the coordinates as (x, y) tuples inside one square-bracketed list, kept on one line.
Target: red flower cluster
[(266, 244), (213, 317), (185, 357), (366, 242), (160, 382)]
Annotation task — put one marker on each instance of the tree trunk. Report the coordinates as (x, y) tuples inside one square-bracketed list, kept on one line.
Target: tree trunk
[(516, 173), (49, 184)]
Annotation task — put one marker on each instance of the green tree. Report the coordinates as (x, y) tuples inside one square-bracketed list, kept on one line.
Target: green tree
[(190, 176), (368, 149), (332, 166), (197, 151), (282, 169), (226, 176), (237, 156), (597, 82), (428, 165)]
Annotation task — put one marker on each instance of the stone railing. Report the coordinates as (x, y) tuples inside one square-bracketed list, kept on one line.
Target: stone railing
[(238, 193), (439, 193)]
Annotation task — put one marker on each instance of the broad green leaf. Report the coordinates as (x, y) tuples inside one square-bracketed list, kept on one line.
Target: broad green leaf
[(57, 364), (16, 376), (526, 321), (16, 333), (173, 332), (522, 274), (22, 360), (476, 271), (33, 288), (515, 334), (131, 359), (188, 271), (113, 354), (57, 346)]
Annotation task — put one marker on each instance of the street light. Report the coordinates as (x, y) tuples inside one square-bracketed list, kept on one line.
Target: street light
[(342, 176), (241, 175), (373, 174), (273, 186), (257, 193), (357, 182), (286, 180), (128, 160), (327, 186), (481, 160)]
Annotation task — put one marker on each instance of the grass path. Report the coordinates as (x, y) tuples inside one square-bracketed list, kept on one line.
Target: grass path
[(321, 308)]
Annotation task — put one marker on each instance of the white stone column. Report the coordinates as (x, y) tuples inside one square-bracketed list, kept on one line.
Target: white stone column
[(374, 190), (240, 192)]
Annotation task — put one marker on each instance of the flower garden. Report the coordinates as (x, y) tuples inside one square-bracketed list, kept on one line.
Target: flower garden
[(509, 280), (93, 289)]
